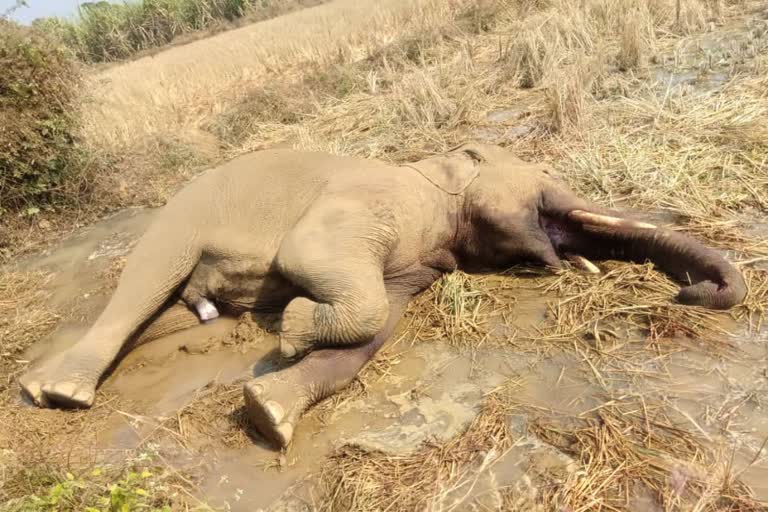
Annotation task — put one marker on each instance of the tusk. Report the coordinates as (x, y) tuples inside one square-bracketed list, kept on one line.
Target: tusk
[(582, 263), (607, 220), (206, 310)]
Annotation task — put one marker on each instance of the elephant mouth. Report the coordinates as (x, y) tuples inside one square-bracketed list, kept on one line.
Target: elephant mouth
[(707, 278)]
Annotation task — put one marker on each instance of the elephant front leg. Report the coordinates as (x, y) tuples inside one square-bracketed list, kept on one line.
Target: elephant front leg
[(275, 402), (307, 324), (348, 303)]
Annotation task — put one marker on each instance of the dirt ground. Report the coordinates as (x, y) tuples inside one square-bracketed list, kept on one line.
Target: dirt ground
[(522, 391)]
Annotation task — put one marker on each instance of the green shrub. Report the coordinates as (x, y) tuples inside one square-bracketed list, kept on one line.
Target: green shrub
[(38, 95)]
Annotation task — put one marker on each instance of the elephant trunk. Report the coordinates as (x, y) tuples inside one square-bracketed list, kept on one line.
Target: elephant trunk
[(710, 280)]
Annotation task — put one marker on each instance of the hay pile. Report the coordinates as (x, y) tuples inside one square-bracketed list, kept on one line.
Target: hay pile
[(627, 297), (461, 309)]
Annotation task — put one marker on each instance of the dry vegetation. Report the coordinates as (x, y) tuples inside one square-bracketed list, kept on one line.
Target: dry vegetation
[(409, 78), (630, 101), (24, 318)]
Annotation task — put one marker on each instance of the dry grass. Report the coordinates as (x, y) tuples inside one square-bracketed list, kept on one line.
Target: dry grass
[(24, 316), (410, 78), (692, 152), (570, 95), (463, 310), (435, 478), (755, 307), (628, 297), (636, 451), (631, 452), (215, 416), (184, 86), (632, 45)]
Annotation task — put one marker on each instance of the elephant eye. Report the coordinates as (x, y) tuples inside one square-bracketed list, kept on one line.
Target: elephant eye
[(474, 155)]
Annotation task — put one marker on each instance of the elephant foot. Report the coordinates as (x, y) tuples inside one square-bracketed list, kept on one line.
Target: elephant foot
[(297, 328), (274, 405), (56, 384)]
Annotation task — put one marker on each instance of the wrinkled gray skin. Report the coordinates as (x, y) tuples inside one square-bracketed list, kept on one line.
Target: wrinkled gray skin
[(342, 244)]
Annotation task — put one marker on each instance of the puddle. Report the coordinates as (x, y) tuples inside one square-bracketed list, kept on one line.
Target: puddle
[(703, 81), (708, 61)]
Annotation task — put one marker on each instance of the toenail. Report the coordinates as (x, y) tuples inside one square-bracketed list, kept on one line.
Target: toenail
[(286, 433), (275, 410), (257, 389), (287, 349), (84, 397)]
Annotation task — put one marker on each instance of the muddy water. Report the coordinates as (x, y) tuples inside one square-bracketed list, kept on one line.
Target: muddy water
[(430, 391)]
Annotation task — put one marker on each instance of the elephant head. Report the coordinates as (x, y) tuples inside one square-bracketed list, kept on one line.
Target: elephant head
[(513, 211)]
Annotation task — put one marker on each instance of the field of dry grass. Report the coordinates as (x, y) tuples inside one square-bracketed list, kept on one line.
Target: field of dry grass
[(655, 105)]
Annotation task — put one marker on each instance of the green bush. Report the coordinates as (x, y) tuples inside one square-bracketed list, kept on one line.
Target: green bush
[(38, 95)]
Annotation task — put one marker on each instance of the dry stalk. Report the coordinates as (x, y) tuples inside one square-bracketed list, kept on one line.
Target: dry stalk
[(633, 296), (459, 308)]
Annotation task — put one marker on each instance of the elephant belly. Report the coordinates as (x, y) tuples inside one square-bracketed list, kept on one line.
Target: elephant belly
[(239, 284)]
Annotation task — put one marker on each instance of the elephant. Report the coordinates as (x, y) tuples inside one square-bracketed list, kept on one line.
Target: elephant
[(340, 245)]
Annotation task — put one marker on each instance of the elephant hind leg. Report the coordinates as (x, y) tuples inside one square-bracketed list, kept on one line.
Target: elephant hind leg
[(162, 260), (173, 319)]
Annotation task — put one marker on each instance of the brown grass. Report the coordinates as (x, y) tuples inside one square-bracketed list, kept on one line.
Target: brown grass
[(636, 449), (628, 296), (631, 45), (431, 479), (571, 93), (462, 310), (694, 153), (24, 316), (417, 77)]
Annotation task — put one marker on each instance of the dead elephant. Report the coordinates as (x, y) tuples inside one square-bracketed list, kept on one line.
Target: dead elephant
[(342, 244)]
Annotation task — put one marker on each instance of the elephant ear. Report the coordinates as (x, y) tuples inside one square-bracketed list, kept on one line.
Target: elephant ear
[(451, 172)]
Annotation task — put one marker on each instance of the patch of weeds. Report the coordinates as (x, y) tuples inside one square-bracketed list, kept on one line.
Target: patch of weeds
[(140, 484)]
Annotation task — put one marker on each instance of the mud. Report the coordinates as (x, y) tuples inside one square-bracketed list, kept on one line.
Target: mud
[(708, 61), (418, 392)]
